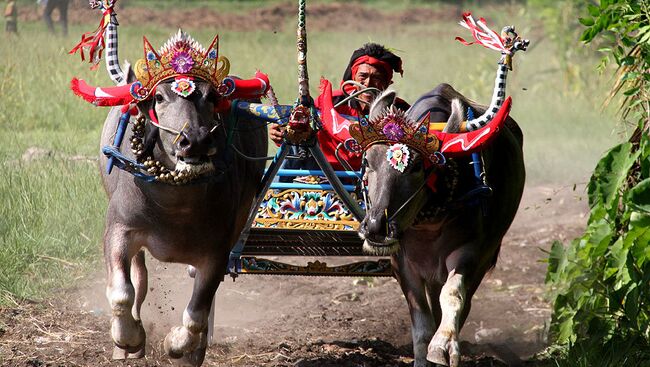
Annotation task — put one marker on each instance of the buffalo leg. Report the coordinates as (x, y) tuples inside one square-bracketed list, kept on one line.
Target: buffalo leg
[(127, 331), (187, 344), (139, 279), (444, 347), (422, 320)]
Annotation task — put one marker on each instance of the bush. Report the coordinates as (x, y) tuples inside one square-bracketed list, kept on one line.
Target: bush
[(600, 283)]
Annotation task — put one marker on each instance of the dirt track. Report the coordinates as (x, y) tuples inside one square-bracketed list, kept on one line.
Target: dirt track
[(298, 321), (348, 16)]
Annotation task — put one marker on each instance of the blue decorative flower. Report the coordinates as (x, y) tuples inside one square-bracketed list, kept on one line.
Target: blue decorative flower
[(212, 54), (151, 56)]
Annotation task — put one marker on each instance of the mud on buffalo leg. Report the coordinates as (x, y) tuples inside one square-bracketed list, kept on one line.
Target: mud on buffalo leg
[(127, 331), (187, 343), (444, 347)]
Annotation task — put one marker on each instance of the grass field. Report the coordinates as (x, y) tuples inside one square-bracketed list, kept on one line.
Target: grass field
[(51, 201)]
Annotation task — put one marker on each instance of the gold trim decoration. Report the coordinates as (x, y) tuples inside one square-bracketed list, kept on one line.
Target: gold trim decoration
[(305, 209), (392, 125)]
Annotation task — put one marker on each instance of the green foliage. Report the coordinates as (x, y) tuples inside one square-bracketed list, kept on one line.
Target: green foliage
[(600, 282), (49, 223), (624, 30)]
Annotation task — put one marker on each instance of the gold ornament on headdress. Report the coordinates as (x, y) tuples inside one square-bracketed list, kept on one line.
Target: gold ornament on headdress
[(181, 55), (392, 126)]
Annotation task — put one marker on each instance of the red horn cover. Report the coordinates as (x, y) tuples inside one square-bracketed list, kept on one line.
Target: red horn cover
[(251, 88), (454, 145), (109, 96)]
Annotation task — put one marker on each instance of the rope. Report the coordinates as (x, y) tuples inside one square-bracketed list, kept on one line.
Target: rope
[(355, 94), (239, 153), (270, 94)]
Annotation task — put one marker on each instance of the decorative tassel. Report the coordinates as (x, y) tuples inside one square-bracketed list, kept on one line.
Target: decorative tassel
[(94, 41), (483, 35)]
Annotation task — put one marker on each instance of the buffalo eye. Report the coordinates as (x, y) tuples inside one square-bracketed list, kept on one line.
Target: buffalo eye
[(159, 98)]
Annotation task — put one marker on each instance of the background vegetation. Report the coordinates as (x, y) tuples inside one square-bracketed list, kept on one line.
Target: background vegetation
[(600, 282)]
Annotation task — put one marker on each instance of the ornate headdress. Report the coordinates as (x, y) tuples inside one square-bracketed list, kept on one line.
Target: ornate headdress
[(394, 126), (181, 58)]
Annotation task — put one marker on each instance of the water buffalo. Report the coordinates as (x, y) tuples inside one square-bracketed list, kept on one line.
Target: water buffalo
[(442, 243), (194, 224)]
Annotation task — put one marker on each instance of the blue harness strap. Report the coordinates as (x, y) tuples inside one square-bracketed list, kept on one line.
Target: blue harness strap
[(482, 190), (117, 141), (126, 164)]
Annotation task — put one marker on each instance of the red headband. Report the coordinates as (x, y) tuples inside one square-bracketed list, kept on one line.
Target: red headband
[(365, 59)]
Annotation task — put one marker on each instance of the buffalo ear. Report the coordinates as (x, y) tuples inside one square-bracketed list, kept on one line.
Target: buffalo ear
[(456, 117), (128, 72), (381, 103), (145, 105)]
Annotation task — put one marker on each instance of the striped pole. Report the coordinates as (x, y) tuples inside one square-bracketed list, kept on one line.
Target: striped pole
[(498, 96), (112, 61), (303, 77)]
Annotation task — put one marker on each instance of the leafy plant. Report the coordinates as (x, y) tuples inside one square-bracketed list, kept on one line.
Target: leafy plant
[(600, 283)]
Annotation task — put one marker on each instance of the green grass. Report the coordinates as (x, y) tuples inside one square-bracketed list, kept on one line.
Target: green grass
[(52, 207), (50, 224), (617, 351)]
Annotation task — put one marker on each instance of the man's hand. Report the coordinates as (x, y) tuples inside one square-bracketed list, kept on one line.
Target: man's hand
[(276, 133)]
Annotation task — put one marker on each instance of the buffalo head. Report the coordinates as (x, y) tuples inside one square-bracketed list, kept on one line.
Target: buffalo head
[(400, 155), (186, 129), (388, 190)]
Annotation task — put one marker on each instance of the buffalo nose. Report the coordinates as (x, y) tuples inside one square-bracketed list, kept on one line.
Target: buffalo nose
[(374, 225), (194, 143)]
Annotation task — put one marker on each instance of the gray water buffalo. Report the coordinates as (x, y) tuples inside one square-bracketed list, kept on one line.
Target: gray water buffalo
[(442, 242), (196, 223)]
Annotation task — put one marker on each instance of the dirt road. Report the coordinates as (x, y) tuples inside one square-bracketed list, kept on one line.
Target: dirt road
[(299, 321)]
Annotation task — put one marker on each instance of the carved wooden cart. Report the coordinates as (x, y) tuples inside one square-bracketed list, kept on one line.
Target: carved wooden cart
[(315, 215)]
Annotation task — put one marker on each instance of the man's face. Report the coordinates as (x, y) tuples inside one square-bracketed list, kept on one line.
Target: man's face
[(370, 76)]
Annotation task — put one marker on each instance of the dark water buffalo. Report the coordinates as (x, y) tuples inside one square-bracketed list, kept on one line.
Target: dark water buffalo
[(194, 224), (441, 243)]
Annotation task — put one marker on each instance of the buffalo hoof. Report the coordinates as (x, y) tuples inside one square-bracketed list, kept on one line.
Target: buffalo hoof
[(132, 352), (194, 359), (185, 348), (129, 353), (444, 356)]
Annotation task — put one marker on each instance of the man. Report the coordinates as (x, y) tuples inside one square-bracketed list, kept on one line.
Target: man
[(370, 66), (62, 6), (11, 17)]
